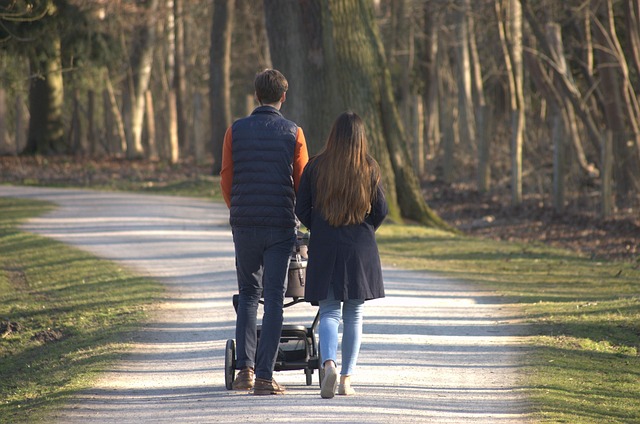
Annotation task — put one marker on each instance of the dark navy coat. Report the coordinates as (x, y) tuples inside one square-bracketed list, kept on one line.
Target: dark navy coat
[(344, 258)]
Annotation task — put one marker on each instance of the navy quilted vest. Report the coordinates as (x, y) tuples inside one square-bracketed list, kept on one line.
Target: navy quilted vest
[(262, 193)]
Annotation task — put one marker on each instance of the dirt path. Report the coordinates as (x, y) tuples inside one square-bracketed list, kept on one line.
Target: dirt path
[(434, 350)]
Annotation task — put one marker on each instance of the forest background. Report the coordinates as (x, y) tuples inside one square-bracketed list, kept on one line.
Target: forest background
[(514, 119)]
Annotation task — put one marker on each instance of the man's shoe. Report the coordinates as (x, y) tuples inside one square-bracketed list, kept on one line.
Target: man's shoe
[(244, 380), (267, 387)]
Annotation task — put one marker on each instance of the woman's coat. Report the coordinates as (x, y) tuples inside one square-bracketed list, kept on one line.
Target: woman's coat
[(345, 258)]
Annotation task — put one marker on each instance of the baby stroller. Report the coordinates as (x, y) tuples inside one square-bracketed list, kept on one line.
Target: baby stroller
[(298, 348)]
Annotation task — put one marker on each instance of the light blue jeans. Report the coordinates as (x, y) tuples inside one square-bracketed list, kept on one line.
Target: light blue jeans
[(331, 313)]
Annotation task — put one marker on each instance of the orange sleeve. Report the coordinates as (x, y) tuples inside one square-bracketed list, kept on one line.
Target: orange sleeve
[(301, 157), (226, 172)]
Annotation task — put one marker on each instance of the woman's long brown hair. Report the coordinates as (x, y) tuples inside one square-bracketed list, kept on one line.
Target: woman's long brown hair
[(347, 176)]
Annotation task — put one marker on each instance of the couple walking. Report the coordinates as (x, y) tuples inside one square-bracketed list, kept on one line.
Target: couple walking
[(267, 180)]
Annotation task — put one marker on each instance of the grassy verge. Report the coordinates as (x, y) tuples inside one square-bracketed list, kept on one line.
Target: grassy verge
[(64, 316), (584, 317)]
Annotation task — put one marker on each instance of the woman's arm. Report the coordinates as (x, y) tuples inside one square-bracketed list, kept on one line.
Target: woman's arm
[(304, 204), (379, 209)]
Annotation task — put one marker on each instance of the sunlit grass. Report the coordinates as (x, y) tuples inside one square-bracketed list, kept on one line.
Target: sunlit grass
[(66, 316), (583, 315)]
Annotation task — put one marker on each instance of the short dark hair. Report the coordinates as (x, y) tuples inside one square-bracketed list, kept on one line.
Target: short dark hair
[(270, 85)]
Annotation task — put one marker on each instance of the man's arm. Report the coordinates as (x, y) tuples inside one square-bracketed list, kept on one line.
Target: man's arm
[(226, 172), (300, 159)]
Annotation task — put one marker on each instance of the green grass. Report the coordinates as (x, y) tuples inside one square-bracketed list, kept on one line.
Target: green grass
[(583, 364), (86, 305), (583, 359)]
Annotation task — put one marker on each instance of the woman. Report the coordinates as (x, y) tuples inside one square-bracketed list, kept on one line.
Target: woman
[(340, 200)]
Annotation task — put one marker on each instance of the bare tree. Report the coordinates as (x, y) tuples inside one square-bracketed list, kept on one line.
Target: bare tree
[(46, 101), (220, 76), (341, 43), (180, 79), (510, 29), (141, 64)]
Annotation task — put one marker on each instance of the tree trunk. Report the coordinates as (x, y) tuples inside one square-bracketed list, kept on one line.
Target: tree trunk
[(20, 130), (481, 109), (607, 201), (78, 131), (417, 125), (46, 101), (198, 130), (168, 85), (339, 39), (511, 40), (432, 124), (633, 33), (517, 135), (463, 76), (141, 64), (91, 128), (120, 141), (220, 77), (558, 141), (5, 146), (620, 103), (180, 79), (301, 45), (150, 114)]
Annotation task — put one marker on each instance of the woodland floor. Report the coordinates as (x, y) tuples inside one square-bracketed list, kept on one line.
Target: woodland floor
[(490, 215)]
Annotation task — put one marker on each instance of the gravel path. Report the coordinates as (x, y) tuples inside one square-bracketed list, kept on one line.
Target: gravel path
[(434, 350)]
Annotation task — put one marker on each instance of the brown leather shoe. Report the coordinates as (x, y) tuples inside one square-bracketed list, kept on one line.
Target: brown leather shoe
[(244, 380), (267, 387)]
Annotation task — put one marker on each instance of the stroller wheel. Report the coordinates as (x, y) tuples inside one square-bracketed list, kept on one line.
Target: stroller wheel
[(230, 363), (308, 372)]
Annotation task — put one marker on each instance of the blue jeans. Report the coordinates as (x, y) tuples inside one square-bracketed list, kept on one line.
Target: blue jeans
[(262, 263), (331, 312)]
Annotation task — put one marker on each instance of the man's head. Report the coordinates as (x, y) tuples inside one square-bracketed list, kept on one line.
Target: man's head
[(270, 86)]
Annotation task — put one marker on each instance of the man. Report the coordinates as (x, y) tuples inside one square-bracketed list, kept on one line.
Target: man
[(262, 160)]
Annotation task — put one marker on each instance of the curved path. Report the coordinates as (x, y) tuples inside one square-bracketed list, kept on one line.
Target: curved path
[(434, 350)]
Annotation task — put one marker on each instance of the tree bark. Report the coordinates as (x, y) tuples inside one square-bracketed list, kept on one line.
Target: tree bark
[(141, 64), (168, 80), (620, 103), (220, 77), (341, 42), (111, 107), (150, 115), (511, 41), (481, 109), (432, 124), (5, 147), (46, 101), (301, 45), (464, 77), (180, 80)]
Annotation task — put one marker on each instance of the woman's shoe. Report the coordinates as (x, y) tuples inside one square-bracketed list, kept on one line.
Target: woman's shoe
[(329, 383), (344, 388)]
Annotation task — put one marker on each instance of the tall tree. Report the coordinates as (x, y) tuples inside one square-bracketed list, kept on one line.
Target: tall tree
[(34, 31), (141, 64), (220, 76), (510, 29), (331, 52), (180, 79), (620, 104)]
